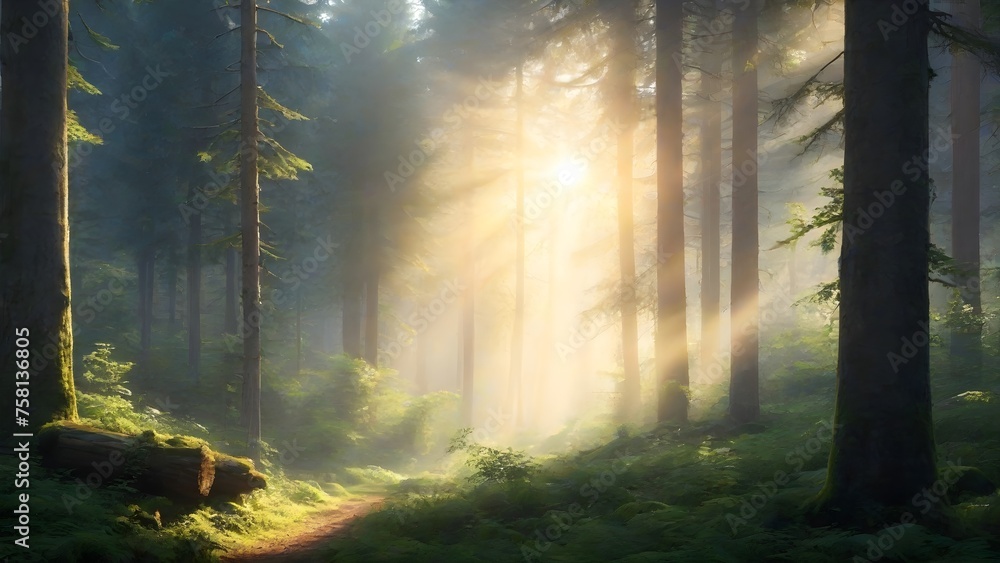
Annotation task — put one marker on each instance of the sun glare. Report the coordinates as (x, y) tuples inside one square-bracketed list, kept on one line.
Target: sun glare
[(571, 171)]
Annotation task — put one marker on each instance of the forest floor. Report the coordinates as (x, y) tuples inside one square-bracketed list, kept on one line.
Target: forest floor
[(305, 541)]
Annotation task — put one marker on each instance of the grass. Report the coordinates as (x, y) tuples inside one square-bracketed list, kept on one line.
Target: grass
[(710, 492)]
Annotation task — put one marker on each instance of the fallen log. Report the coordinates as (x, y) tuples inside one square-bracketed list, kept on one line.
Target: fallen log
[(179, 469), (235, 476)]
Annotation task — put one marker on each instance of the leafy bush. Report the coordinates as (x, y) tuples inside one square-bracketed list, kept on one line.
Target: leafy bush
[(491, 464)]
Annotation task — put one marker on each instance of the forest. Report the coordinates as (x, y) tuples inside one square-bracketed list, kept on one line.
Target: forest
[(626, 281)]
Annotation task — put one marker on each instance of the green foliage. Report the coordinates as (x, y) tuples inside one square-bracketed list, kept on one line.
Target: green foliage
[(829, 218), (104, 375), (711, 492), (961, 317), (493, 465)]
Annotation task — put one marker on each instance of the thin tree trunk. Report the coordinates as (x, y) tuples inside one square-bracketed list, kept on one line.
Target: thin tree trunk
[(35, 312), (194, 293), (468, 274), (353, 285), (966, 342), (671, 303), (515, 396), (298, 333), (744, 394), (250, 223), (623, 95), (146, 270), (420, 369), (172, 279), (883, 449), (711, 179), (372, 273), (229, 322)]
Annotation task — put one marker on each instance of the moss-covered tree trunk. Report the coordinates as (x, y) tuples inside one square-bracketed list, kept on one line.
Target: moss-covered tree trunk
[(883, 449), (229, 323), (250, 223), (966, 340), (744, 394), (34, 222), (671, 302)]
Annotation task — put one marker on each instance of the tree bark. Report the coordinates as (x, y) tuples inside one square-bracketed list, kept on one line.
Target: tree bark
[(515, 396), (145, 265), (353, 285), (468, 274), (372, 268), (250, 223), (180, 473), (744, 394), (711, 179), (622, 75), (194, 293), (883, 450), (172, 279), (671, 302), (34, 221), (966, 341), (229, 321)]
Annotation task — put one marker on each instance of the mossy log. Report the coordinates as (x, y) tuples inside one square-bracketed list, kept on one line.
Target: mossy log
[(186, 473), (235, 476)]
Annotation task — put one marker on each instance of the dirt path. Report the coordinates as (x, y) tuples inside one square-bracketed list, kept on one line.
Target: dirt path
[(305, 542)]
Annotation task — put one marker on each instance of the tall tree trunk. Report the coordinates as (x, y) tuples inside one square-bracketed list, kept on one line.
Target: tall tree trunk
[(373, 267), (544, 374), (172, 279), (623, 97), (711, 179), (966, 342), (194, 293), (420, 361), (883, 449), (468, 274), (34, 249), (146, 269), (515, 396), (671, 302), (744, 395), (298, 333), (353, 285), (229, 323), (250, 223)]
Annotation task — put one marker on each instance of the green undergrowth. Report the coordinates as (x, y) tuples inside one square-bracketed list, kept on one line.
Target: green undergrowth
[(70, 522), (713, 491)]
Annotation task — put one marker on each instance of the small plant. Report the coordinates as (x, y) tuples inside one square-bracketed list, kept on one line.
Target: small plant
[(504, 467), (104, 375)]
